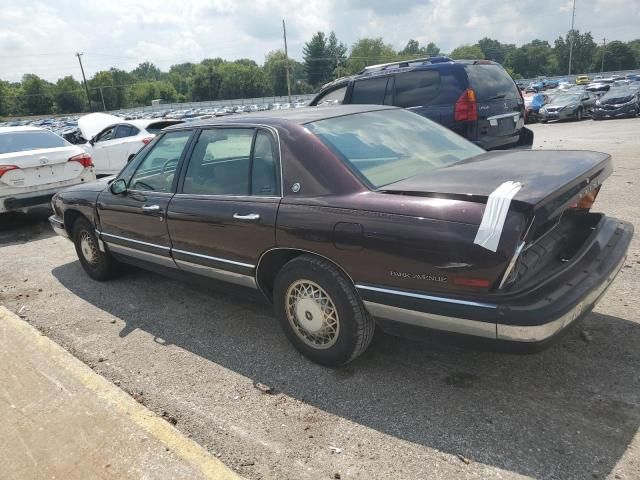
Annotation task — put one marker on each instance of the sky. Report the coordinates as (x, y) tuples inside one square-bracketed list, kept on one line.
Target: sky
[(41, 37)]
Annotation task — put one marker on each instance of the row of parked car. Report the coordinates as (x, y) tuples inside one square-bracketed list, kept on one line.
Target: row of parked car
[(621, 99)]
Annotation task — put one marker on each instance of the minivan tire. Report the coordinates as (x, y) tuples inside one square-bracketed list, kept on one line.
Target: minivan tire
[(336, 327)]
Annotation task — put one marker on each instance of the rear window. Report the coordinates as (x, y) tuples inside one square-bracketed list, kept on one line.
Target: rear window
[(369, 91), (491, 82), (387, 146), (420, 87), (30, 140)]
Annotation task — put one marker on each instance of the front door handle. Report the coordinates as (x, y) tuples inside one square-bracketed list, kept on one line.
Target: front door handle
[(151, 208), (250, 217)]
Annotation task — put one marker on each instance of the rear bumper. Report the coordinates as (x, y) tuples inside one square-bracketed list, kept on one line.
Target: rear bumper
[(531, 317)]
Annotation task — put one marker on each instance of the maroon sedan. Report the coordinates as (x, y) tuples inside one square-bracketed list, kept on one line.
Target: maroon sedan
[(350, 216)]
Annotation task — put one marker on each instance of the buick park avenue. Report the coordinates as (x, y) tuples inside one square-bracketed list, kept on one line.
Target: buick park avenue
[(353, 216)]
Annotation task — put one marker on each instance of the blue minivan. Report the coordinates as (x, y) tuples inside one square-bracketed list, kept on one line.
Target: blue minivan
[(477, 99)]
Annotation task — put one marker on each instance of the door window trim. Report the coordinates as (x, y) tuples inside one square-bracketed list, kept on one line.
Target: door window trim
[(247, 126)]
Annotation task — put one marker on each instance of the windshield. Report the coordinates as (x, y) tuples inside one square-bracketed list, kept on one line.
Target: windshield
[(566, 98), (29, 140), (384, 147)]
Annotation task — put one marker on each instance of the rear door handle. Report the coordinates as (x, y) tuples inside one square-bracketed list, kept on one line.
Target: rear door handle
[(250, 217), (151, 208)]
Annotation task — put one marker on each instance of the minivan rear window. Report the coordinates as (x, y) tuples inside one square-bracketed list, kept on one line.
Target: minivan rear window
[(491, 82)]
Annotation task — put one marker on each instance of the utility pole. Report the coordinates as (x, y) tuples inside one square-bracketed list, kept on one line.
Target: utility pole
[(286, 56), (86, 88), (104, 107), (573, 18), (604, 49)]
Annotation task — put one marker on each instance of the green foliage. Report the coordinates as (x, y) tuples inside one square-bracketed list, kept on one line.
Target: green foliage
[(413, 50), (369, 51), (69, 96), (37, 96), (584, 49), (467, 52), (146, 71), (241, 81), (143, 93), (316, 63), (205, 82), (275, 68), (617, 56), (531, 59), (494, 50)]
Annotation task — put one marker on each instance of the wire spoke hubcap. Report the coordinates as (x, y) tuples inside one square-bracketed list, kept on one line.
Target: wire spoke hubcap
[(88, 248), (312, 314)]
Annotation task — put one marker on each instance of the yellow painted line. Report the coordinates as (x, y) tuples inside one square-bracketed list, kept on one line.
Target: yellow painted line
[(148, 421)]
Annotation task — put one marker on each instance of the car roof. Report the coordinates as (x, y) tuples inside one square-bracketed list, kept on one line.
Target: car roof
[(23, 128), (298, 116)]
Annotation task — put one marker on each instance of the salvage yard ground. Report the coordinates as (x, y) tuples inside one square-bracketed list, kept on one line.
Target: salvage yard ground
[(405, 409)]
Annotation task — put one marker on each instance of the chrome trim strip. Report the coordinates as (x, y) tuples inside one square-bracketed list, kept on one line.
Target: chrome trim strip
[(430, 320), (142, 255), (217, 259), (504, 115), (218, 274), (139, 242), (426, 297)]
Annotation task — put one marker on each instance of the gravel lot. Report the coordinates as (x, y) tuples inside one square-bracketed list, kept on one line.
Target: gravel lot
[(405, 409)]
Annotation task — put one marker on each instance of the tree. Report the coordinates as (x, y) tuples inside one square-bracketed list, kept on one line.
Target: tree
[(336, 52), (494, 50), (275, 68), (242, 81), (143, 93), (205, 82), (635, 46), (146, 71), (468, 52), (37, 95), (584, 49), (180, 76), (316, 60), (617, 56), (432, 49), (9, 95), (531, 59), (69, 96), (413, 49), (369, 51)]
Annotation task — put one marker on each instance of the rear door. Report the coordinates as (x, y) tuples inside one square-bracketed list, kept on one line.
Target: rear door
[(224, 214), (134, 224), (372, 91), (500, 106)]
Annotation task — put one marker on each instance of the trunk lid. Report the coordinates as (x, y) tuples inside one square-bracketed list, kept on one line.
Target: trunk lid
[(41, 167), (551, 180)]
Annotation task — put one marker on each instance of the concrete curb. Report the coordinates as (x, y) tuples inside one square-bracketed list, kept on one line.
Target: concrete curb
[(135, 413)]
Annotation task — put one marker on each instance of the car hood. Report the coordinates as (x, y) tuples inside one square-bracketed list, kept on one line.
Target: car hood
[(90, 125), (95, 186), (618, 97), (550, 179)]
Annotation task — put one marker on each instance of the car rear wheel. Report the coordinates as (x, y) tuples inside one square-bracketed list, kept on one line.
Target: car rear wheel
[(320, 312), (98, 265)]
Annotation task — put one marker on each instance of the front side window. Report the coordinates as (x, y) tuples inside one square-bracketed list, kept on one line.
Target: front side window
[(156, 171), (105, 135), (219, 164), (384, 147), (332, 97), (371, 91)]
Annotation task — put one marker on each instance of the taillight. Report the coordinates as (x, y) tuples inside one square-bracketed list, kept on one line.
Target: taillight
[(466, 107), (146, 140), (83, 159), (5, 168)]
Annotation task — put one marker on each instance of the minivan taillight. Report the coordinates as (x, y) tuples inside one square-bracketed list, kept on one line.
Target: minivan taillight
[(5, 168), (83, 159), (466, 108)]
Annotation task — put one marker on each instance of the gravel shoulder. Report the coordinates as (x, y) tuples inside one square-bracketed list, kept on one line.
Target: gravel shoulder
[(405, 409)]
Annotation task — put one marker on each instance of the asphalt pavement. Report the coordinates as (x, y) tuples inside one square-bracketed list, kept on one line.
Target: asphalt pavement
[(406, 409)]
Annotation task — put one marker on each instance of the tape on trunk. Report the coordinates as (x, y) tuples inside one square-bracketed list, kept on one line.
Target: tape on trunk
[(495, 213)]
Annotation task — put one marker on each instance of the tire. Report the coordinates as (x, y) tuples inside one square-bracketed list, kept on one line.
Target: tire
[(99, 265), (348, 330), (578, 114)]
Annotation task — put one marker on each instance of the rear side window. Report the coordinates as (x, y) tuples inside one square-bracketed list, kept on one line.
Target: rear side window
[(125, 131), (334, 96), (369, 91), (491, 82), (420, 87), (30, 140)]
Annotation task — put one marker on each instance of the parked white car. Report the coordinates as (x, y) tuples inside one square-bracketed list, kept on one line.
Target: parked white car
[(111, 141), (36, 163)]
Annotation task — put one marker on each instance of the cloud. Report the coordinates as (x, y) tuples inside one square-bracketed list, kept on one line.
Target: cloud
[(42, 38)]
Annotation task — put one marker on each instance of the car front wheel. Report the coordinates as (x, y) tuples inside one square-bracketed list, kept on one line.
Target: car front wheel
[(320, 311), (579, 114), (98, 265)]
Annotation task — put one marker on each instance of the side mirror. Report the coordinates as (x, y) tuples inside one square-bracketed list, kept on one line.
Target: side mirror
[(118, 187)]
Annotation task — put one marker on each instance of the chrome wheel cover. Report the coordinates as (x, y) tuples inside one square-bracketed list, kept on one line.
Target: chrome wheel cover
[(312, 314), (88, 248)]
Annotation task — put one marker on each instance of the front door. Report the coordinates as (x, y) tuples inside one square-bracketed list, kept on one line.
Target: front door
[(100, 151), (134, 223), (224, 214)]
